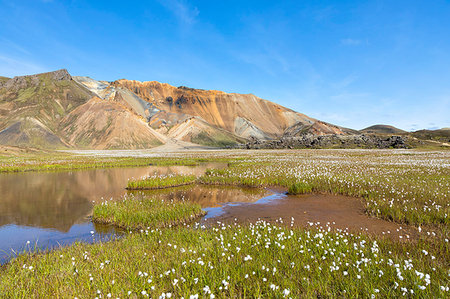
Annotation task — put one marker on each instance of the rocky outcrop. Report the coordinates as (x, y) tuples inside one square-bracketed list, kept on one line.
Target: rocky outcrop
[(316, 128), (330, 141)]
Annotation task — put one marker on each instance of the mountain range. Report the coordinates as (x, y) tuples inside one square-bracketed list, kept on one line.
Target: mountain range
[(56, 110)]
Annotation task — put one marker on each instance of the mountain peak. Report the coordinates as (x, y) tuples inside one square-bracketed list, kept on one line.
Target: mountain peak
[(60, 75), (21, 81)]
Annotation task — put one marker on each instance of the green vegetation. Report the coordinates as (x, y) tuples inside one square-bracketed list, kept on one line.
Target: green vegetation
[(410, 187), (218, 140), (3, 79), (260, 260), (441, 135), (299, 188), (54, 162), (139, 212), (403, 188), (161, 181)]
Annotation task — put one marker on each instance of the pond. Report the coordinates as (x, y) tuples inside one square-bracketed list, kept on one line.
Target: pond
[(51, 208)]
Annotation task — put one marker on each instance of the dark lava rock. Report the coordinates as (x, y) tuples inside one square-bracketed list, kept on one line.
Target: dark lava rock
[(330, 141)]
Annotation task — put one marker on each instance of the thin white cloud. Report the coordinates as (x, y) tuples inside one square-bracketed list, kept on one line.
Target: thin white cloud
[(351, 42), (351, 97), (12, 45), (344, 82), (182, 10), (10, 67), (331, 117)]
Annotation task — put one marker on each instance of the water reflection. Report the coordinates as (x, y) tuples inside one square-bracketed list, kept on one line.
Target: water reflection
[(208, 196), (59, 200), (54, 208), (17, 239)]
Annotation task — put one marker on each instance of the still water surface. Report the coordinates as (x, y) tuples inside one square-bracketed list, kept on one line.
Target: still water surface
[(52, 208)]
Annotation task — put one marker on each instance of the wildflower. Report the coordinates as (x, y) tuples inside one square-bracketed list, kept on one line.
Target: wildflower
[(207, 290)]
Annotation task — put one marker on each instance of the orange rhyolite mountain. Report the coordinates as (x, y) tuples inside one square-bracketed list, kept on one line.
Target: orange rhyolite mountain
[(57, 110)]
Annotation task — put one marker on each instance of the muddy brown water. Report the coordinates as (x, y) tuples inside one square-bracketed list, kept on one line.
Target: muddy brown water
[(336, 211), (53, 208)]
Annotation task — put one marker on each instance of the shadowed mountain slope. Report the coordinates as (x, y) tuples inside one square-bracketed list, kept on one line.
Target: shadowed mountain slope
[(382, 129)]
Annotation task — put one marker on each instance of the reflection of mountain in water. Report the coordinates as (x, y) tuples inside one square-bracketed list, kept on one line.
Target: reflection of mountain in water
[(208, 196), (60, 199)]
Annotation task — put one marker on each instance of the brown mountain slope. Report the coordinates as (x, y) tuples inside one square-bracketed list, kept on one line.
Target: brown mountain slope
[(242, 114), (32, 106), (104, 124), (30, 131), (196, 130)]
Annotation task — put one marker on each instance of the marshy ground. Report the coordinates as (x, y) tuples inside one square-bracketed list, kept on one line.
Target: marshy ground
[(373, 223)]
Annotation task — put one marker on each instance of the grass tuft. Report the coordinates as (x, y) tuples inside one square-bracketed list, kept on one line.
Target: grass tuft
[(300, 188), (138, 212), (161, 181)]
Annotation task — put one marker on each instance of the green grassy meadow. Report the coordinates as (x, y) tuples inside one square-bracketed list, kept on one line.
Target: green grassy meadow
[(166, 254)]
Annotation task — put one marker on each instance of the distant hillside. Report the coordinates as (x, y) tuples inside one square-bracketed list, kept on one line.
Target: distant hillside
[(382, 129), (441, 135), (3, 79)]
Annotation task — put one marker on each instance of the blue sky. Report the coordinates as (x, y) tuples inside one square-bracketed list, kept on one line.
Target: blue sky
[(351, 63)]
